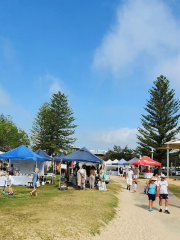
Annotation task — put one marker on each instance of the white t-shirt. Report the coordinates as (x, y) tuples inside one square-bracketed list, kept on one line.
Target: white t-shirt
[(129, 174), (163, 187), (11, 179)]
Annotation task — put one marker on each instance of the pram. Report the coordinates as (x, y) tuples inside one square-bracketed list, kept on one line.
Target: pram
[(3, 192)]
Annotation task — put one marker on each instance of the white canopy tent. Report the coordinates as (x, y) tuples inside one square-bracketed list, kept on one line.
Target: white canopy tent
[(108, 162)]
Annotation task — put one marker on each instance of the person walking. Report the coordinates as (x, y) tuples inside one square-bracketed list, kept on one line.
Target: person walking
[(136, 173), (120, 172), (10, 181), (124, 171), (163, 193), (129, 178), (92, 177), (134, 186), (151, 191), (36, 177)]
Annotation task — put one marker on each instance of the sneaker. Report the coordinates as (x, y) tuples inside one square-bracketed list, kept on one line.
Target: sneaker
[(160, 210), (167, 212), (150, 210)]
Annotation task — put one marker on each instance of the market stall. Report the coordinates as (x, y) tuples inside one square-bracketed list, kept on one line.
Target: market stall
[(84, 156), (24, 162), (121, 162), (146, 161)]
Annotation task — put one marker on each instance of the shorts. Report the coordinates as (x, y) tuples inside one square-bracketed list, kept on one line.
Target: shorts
[(163, 196), (129, 181), (135, 176), (152, 196)]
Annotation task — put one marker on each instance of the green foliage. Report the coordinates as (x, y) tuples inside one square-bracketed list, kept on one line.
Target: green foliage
[(53, 125), (10, 136), (119, 153), (175, 190), (160, 125)]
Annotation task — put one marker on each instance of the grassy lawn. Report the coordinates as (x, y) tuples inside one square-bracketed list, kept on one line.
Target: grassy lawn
[(175, 190), (56, 214)]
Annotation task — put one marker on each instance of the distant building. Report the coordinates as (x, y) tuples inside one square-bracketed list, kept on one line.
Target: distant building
[(99, 153)]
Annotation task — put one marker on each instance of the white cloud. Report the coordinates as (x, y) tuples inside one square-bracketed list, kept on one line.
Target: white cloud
[(5, 100), (104, 139), (171, 69), (145, 34), (54, 88), (54, 84)]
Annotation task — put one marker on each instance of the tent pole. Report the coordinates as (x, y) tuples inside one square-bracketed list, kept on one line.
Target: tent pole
[(167, 160), (60, 176)]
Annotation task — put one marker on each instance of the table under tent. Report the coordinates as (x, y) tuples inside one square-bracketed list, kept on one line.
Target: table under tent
[(24, 162)]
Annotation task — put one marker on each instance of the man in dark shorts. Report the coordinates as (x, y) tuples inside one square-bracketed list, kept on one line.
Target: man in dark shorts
[(163, 193)]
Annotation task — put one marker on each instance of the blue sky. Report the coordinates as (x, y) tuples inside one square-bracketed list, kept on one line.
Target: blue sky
[(104, 55)]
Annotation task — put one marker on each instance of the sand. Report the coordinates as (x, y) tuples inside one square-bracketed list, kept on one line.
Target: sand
[(134, 221)]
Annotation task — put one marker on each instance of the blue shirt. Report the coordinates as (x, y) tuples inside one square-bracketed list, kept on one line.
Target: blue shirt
[(35, 178), (152, 189)]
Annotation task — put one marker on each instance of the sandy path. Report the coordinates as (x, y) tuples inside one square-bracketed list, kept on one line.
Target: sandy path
[(134, 221)]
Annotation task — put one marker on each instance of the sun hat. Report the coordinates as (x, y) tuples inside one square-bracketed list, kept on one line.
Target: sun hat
[(163, 176), (153, 179), (129, 167)]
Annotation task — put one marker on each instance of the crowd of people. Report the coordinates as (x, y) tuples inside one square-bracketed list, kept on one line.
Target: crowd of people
[(94, 173), (157, 186)]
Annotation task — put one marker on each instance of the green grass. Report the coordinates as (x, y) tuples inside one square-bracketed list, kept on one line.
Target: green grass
[(56, 214), (175, 190)]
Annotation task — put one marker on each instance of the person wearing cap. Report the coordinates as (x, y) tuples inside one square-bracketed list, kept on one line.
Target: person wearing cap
[(163, 193), (151, 191), (129, 178)]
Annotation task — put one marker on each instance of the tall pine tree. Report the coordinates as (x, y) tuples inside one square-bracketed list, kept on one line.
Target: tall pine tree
[(160, 125), (53, 126)]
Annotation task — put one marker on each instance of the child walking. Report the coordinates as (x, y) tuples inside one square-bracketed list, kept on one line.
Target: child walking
[(134, 186)]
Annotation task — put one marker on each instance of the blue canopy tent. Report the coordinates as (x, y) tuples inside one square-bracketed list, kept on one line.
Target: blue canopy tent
[(41, 153), (59, 157), (121, 162), (25, 154), (130, 162), (83, 155), (22, 153)]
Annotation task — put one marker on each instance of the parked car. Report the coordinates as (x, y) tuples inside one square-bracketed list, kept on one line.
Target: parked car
[(173, 172), (177, 171)]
